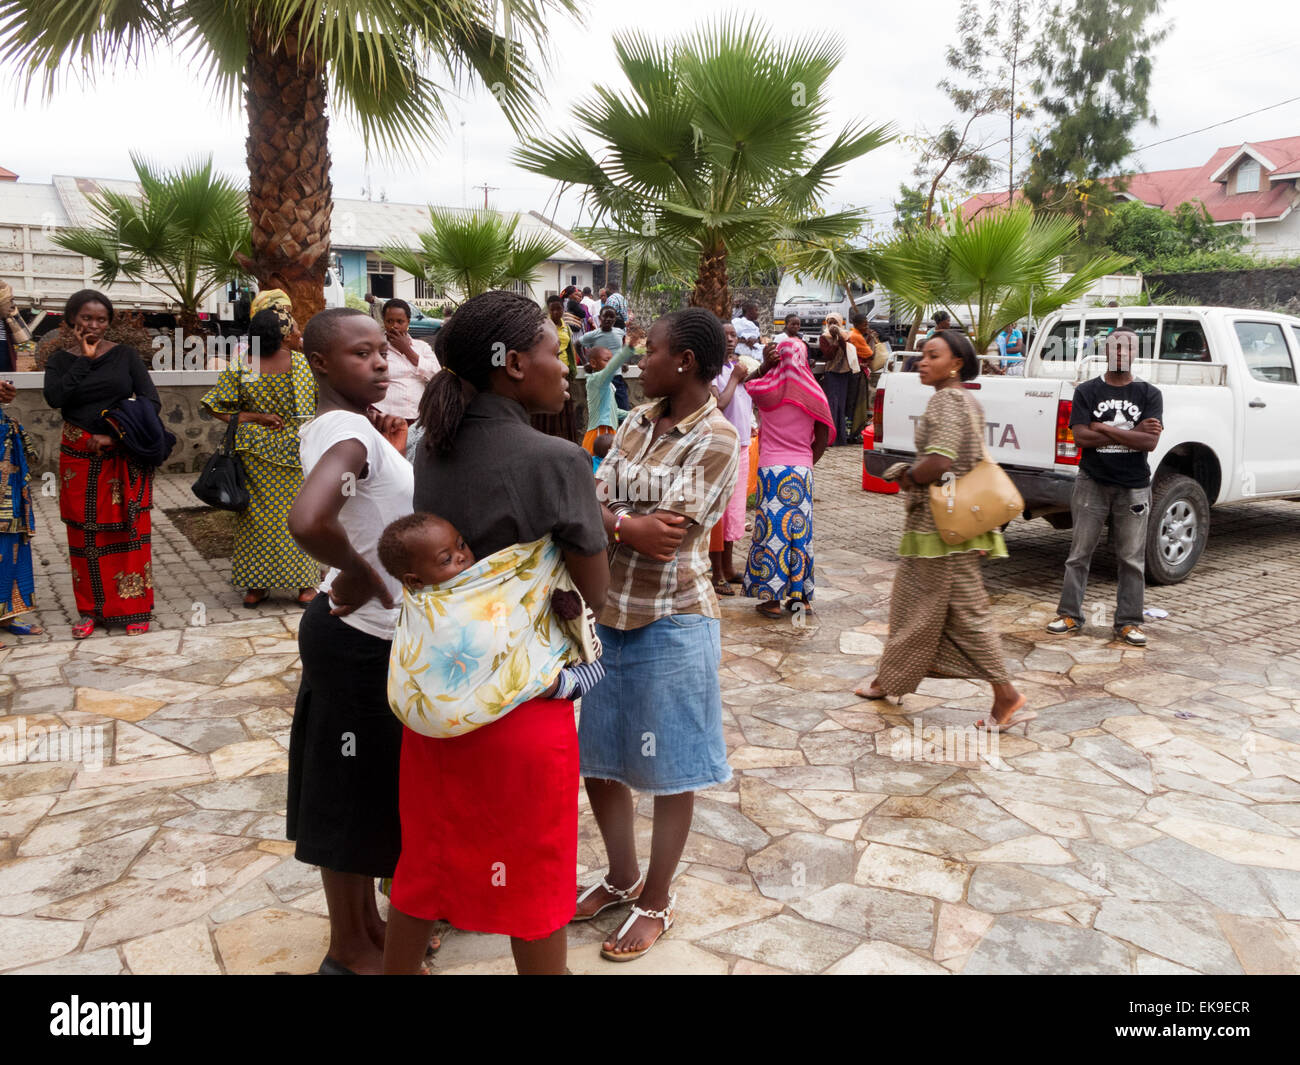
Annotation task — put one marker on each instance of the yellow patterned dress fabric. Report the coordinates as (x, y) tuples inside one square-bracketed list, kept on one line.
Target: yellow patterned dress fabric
[(265, 554)]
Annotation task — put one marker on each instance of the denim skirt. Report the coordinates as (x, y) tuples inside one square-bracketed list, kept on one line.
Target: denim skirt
[(654, 722)]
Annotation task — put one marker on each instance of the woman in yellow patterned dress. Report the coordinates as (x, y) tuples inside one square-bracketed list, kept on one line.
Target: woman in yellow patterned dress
[(271, 401)]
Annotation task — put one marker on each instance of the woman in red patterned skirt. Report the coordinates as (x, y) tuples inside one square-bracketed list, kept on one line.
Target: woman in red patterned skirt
[(104, 496)]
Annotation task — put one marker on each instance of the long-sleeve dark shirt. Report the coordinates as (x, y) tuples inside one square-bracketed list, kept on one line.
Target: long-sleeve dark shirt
[(82, 389)]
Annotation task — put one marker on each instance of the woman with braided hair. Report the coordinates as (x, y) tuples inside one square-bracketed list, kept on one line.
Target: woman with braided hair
[(655, 722), (489, 818)]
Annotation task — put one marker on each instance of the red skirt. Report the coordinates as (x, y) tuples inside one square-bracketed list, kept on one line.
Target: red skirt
[(490, 824), (104, 500)]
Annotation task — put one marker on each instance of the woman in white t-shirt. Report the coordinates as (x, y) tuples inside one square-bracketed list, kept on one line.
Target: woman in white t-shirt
[(345, 745)]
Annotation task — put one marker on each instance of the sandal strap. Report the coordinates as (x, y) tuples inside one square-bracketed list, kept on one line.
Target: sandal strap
[(665, 915), (618, 893)]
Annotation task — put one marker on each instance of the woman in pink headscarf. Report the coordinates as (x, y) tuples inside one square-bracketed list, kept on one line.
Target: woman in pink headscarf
[(794, 430)]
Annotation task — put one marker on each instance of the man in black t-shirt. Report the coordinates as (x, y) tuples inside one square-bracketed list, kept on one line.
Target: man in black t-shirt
[(1116, 421)]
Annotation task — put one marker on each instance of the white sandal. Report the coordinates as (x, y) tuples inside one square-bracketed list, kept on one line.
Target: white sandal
[(667, 915), (621, 895)]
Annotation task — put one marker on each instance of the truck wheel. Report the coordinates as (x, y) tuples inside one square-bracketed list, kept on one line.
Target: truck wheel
[(1177, 528)]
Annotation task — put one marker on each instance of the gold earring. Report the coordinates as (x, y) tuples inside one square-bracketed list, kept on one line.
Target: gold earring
[(952, 373)]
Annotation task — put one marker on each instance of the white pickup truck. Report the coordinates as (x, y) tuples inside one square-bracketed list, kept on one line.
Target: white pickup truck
[(1231, 416)]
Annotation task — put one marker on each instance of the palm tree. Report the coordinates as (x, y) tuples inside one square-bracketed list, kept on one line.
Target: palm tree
[(468, 252), (377, 55), (188, 227), (991, 270), (712, 154)]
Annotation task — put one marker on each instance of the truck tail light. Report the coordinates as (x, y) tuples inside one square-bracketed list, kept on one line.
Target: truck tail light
[(1067, 451), (878, 419)]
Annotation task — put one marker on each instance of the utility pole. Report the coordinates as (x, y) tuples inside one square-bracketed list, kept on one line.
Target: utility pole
[(486, 189)]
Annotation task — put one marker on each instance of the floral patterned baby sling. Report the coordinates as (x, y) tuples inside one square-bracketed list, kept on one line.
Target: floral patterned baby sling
[(470, 650)]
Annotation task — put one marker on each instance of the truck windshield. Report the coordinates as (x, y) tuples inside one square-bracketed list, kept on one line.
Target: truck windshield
[(796, 289)]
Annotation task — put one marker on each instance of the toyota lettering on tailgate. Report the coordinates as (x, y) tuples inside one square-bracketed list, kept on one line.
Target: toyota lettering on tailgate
[(999, 434)]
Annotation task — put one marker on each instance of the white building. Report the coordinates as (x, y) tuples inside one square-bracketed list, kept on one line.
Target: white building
[(44, 275)]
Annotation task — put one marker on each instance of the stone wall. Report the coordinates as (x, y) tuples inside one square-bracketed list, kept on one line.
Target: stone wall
[(197, 433), (1273, 288)]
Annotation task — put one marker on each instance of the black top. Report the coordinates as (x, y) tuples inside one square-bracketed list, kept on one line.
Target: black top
[(505, 483), (82, 389), (1122, 406)]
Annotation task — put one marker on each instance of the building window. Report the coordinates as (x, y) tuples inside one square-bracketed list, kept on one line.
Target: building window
[(1248, 176), (424, 290)]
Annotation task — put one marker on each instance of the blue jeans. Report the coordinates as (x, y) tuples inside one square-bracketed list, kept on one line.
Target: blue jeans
[(1127, 509), (836, 387)]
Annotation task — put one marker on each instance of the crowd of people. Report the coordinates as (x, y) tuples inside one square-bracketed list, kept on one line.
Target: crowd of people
[(479, 828)]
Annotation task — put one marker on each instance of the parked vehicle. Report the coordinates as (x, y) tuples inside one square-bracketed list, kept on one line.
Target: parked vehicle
[(1231, 408), (813, 300), (422, 326)]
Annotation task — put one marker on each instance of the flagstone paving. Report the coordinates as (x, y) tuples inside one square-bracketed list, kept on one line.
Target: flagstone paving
[(1148, 822)]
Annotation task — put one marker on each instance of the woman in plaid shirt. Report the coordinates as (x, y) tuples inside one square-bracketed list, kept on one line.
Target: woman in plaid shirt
[(655, 722)]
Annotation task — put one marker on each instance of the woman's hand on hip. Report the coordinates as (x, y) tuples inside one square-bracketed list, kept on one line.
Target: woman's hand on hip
[(100, 443), (7, 391), (657, 536), (271, 421), (353, 588)]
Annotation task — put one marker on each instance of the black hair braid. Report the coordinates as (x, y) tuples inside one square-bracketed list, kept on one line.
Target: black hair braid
[(472, 343), (700, 331)]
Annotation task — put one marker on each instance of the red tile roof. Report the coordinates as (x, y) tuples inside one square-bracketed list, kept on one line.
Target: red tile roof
[(1169, 188), (7, 175)]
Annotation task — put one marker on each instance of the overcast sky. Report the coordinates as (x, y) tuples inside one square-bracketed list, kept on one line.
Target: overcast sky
[(1212, 66)]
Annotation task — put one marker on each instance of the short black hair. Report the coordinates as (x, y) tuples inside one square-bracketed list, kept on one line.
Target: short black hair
[(700, 331), (393, 549), (586, 290), (265, 333), (601, 445), (861, 319), (322, 330), (942, 316), (555, 299), (747, 306), (960, 345), (79, 299), (401, 304), (611, 286)]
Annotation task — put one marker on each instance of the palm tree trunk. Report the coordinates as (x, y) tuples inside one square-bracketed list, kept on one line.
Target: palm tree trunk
[(290, 198), (711, 288)]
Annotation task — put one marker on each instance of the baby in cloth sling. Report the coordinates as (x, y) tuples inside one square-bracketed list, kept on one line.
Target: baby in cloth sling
[(476, 639)]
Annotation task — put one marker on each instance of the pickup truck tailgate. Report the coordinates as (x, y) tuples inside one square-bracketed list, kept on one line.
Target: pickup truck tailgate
[(1020, 415)]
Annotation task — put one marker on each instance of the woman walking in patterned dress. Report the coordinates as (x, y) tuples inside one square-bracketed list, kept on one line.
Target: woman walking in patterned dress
[(794, 431), (271, 401), (104, 495), (939, 624)]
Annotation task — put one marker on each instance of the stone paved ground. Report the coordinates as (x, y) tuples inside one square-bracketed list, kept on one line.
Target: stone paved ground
[(1149, 822)]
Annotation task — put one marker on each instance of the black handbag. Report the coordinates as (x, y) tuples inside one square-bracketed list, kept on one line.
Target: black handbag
[(222, 484)]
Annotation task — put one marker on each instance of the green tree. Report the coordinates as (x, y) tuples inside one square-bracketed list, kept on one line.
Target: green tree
[(188, 227), (1156, 238), (388, 62), (468, 252), (1093, 78), (988, 271), (712, 155)]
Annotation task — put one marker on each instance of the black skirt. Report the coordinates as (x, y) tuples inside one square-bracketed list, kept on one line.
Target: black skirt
[(344, 750)]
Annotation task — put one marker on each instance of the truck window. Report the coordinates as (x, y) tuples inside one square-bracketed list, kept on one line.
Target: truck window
[(1145, 328), (1183, 340), (1264, 346), (1062, 343), (1094, 330)]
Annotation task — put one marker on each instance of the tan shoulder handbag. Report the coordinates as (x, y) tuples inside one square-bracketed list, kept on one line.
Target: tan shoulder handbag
[(978, 502)]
